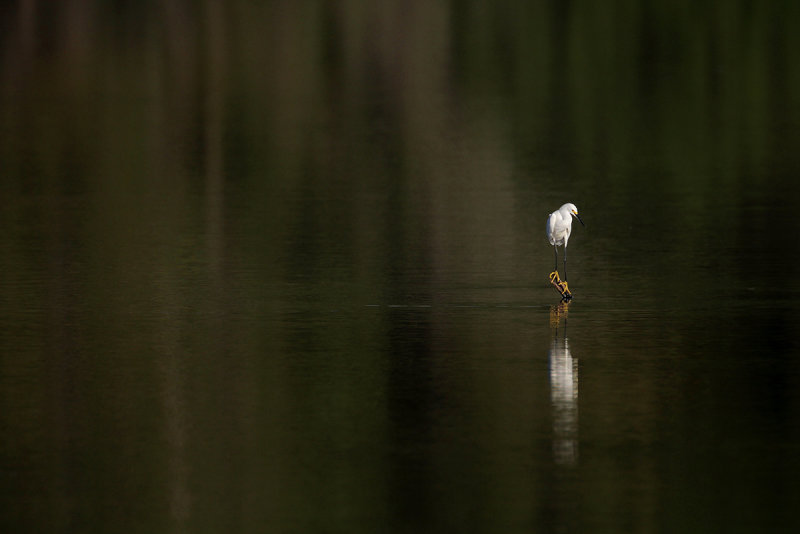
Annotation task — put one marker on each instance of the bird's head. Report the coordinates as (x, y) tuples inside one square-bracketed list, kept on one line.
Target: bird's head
[(573, 210)]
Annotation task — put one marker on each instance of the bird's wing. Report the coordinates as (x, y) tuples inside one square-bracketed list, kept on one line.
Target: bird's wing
[(551, 226)]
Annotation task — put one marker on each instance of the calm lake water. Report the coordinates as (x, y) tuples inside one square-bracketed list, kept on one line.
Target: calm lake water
[(282, 268)]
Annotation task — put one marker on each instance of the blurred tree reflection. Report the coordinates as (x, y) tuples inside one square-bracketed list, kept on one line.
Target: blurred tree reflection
[(155, 154)]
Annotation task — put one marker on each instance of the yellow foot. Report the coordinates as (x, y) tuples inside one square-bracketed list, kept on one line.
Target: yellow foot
[(560, 285)]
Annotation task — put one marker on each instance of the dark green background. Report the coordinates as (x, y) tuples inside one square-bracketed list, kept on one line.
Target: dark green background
[(281, 266)]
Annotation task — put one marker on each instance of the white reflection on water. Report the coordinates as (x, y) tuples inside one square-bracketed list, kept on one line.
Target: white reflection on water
[(563, 391)]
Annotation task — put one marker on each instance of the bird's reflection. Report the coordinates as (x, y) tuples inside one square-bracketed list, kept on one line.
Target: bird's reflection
[(563, 389)]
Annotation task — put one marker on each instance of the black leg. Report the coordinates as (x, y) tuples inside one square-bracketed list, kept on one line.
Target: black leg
[(565, 262), (555, 251)]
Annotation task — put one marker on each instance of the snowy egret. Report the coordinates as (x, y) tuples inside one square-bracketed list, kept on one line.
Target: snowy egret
[(559, 227)]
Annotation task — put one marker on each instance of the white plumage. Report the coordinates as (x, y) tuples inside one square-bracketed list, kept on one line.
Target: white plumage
[(559, 228)]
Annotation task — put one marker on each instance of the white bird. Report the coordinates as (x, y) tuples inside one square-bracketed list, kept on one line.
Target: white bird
[(559, 227)]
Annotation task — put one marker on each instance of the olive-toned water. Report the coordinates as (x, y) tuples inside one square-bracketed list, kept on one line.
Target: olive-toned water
[(282, 267)]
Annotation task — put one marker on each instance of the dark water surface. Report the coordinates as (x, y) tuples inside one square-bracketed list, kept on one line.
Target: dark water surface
[(282, 268)]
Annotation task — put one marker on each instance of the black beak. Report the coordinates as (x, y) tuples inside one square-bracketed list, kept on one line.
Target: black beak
[(581, 220)]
